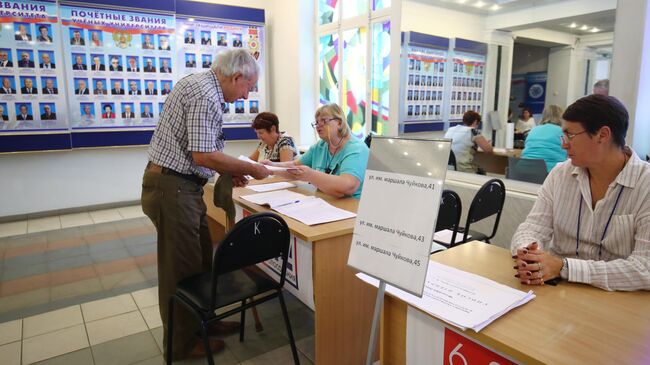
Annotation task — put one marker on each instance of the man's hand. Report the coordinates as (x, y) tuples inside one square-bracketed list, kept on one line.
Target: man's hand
[(259, 171), (239, 181), (534, 266)]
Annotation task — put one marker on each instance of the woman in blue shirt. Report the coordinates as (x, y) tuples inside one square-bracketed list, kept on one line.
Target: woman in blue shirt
[(543, 142), (336, 164)]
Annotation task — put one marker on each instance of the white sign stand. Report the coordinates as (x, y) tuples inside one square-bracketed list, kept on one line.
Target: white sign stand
[(397, 215)]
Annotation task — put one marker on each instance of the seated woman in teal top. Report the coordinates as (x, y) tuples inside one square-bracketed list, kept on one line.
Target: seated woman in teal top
[(336, 164), (543, 142)]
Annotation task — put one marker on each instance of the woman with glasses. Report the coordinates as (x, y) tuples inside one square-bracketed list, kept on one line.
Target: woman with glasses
[(591, 221), (274, 146), (544, 141), (336, 164)]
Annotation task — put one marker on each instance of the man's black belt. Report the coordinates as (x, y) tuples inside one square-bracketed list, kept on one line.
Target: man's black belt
[(167, 171)]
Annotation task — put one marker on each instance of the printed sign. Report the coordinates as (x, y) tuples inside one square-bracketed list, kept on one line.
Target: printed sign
[(460, 350)]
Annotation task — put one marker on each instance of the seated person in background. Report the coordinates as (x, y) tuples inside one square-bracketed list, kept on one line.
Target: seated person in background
[(543, 142), (601, 87), (336, 164), (591, 221), (526, 121), (274, 145), (464, 139)]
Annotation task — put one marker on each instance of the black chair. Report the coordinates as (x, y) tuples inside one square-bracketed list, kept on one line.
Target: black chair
[(449, 215), (487, 202), (235, 278), (452, 160), (368, 140), (526, 169)]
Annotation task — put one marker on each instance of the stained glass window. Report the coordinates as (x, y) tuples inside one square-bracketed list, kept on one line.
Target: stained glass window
[(380, 4), (328, 11), (352, 8), (354, 79), (328, 68)]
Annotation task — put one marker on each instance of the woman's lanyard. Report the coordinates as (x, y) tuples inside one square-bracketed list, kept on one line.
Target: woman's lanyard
[(600, 247)]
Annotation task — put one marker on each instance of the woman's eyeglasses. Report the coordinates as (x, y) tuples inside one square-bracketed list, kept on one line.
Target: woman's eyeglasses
[(567, 137), (322, 121)]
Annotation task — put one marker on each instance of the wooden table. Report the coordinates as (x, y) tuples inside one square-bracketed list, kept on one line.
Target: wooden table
[(495, 162), (344, 304), (566, 324)]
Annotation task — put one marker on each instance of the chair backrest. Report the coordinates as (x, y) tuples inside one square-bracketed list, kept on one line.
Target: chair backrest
[(449, 213), (526, 169), (254, 239), (488, 201), (368, 140), (452, 160)]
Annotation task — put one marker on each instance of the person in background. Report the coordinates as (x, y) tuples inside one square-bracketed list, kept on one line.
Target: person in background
[(336, 164), (601, 87), (544, 141), (526, 121), (591, 221), (464, 140), (274, 145)]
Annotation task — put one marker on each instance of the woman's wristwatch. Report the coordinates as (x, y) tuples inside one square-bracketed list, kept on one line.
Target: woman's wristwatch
[(564, 271)]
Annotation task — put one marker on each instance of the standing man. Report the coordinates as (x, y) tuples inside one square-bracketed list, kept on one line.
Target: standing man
[(185, 151)]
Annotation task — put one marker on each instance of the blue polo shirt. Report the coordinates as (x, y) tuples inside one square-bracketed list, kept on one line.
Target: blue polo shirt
[(352, 159), (543, 142)]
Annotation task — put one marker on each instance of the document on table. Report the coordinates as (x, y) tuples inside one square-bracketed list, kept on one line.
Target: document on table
[(260, 188), (271, 168), (460, 298), (445, 236), (307, 209), (314, 211)]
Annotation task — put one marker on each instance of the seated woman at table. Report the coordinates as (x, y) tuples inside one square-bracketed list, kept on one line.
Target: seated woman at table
[(591, 221), (543, 142), (336, 164), (274, 145), (464, 139), (526, 121)]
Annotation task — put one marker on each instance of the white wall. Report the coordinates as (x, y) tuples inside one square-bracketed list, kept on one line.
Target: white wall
[(442, 22), (38, 182)]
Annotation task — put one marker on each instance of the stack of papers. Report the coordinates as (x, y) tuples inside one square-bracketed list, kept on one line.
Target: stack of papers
[(459, 298), (271, 168), (307, 209), (271, 186)]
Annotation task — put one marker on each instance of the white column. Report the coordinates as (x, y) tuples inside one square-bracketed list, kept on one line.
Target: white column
[(506, 41), (630, 73)]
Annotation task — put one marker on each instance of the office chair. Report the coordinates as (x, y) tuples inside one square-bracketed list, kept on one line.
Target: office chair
[(449, 215), (526, 169), (488, 201), (235, 278), (368, 140), (452, 160)]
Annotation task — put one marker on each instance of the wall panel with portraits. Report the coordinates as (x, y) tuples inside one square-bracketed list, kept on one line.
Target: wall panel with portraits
[(88, 74)]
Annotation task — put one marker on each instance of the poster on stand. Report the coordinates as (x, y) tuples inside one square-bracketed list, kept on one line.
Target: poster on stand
[(119, 65), (32, 91), (199, 44), (468, 74), (425, 84)]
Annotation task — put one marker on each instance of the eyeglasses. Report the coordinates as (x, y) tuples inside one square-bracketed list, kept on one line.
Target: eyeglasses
[(567, 137), (323, 121)]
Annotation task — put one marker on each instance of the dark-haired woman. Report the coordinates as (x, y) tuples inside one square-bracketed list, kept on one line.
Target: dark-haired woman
[(274, 145), (591, 221)]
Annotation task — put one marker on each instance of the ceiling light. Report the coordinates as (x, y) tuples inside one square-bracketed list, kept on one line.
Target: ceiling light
[(479, 4), (406, 153), (419, 164), (594, 30), (495, 7), (584, 27), (573, 25), (462, 1)]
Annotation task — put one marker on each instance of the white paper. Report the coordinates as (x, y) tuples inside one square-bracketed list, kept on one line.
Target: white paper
[(314, 211), (499, 150), (460, 298), (445, 236), (271, 186), (510, 135), (270, 167), (276, 198)]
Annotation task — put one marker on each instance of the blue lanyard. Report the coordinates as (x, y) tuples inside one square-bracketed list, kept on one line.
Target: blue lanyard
[(600, 247)]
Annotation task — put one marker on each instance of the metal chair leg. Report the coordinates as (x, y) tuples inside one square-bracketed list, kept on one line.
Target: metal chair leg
[(258, 323), (170, 329), (292, 342), (206, 343), (242, 322)]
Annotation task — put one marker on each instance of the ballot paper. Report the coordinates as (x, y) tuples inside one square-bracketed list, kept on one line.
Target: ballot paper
[(460, 298), (260, 188), (307, 209), (445, 236), (271, 168)]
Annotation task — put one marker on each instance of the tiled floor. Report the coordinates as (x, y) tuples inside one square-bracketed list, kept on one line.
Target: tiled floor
[(81, 289)]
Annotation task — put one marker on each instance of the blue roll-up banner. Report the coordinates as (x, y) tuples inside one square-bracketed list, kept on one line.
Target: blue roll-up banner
[(536, 91)]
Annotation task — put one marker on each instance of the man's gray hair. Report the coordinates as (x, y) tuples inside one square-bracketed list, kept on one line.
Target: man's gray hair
[(236, 60)]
